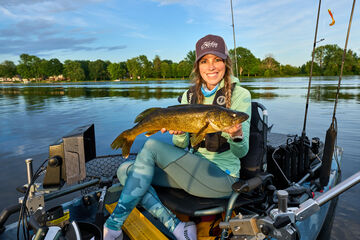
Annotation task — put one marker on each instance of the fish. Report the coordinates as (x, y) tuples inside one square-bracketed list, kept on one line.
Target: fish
[(332, 17), (198, 119)]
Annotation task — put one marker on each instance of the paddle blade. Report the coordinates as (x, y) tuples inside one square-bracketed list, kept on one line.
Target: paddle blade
[(327, 156)]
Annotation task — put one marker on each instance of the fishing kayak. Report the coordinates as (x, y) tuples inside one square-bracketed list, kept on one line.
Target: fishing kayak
[(284, 199)]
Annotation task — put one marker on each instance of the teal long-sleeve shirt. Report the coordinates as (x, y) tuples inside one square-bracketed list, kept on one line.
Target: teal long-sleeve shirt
[(227, 161)]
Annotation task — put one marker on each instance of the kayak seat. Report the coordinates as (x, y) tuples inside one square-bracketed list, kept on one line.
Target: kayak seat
[(182, 202), (252, 169), (255, 160)]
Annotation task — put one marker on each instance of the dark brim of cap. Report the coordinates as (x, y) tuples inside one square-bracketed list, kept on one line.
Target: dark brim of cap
[(219, 54)]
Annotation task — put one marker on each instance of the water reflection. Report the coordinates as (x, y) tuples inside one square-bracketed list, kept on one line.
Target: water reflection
[(321, 90)]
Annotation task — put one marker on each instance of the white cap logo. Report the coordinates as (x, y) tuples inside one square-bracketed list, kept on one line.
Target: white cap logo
[(209, 44)]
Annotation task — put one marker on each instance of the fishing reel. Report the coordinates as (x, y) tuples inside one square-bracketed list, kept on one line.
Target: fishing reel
[(280, 223)]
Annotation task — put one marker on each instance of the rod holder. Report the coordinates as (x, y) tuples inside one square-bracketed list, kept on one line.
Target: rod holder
[(29, 169), (282, 200)]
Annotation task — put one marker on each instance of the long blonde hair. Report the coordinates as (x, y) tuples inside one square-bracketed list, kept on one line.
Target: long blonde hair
[(198, 81)]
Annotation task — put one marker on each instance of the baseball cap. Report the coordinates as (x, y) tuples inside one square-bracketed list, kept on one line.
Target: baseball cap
[(211, 44)]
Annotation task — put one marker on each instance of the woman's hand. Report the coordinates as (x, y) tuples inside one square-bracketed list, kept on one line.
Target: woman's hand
[(172, 132), (235, 130)]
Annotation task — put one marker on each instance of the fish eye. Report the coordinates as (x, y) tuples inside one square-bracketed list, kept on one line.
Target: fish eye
[(234, 115)]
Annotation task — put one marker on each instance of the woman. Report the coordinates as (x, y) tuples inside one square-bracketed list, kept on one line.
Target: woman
[(207, 171)]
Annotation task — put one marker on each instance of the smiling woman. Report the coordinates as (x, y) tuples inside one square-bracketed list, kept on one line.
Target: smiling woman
[(219, 151)]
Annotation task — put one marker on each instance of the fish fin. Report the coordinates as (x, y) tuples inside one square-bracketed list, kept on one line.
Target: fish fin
[(214, 126), (196, 139), (179, 105), (199, 136), (145, 113), (202, 130), (149, 133), (126, 148), (123, 141), (190, 105)]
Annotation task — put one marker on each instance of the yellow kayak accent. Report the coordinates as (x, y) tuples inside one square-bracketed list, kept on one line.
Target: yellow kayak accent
[(137, 226), (59, 221)]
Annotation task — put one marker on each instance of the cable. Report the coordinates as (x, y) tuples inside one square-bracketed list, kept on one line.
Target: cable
[(24, 212), (272, 155)]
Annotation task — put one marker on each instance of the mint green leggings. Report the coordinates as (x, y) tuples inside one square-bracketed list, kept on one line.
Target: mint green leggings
[(165, 165)]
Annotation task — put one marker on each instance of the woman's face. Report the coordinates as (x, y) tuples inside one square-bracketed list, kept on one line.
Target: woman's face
[(212, 70)]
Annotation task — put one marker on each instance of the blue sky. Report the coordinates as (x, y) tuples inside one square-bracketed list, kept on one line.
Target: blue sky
[(120, 30)]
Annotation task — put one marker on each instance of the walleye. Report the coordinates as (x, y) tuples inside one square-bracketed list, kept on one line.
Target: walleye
[(199, 119)]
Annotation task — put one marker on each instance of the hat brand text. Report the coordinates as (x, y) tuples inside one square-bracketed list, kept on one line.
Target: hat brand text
[(209, 44)]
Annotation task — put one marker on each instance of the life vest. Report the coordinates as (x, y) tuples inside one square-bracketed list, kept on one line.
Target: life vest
[(213, 142)]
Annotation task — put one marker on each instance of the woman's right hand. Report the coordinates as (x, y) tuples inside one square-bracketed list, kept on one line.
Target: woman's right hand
[(172, 132)]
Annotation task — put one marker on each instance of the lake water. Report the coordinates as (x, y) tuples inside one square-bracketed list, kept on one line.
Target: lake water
[(34, 116)]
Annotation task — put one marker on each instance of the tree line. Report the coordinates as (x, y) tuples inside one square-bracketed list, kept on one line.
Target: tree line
[(328, 60)]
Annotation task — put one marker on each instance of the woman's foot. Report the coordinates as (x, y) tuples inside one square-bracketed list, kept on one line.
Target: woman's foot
[(110, 234), (185, 231)]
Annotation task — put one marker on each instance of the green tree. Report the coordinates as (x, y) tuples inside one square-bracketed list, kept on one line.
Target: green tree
[(270, 66), (256, 69), (73, 70), (184, 69), (7, 69), (146, 68), (85, 66), (246, 60), (351, 63), (124, 69), (53, 67), (157, 68), (29, 66), (117, 70), (174, 72), (165, 69), (98, 70), (332, 59), (191, 57), (44, 68), (305, 69), (289, 70), (56, 67), (319, 57), (134, 67)]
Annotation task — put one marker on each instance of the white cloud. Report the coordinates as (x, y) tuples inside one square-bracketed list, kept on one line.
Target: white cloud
[(137, 35), (6, 12), (166, 2)]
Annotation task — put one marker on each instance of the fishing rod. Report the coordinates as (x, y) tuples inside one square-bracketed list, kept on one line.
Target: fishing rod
[(233, 26), (304, 163), (331, 133), (311, 72)]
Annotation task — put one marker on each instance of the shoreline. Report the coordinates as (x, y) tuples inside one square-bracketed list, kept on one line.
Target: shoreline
[(153, 79)]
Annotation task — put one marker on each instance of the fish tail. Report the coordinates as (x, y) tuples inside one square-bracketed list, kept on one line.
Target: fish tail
[(124, 141)]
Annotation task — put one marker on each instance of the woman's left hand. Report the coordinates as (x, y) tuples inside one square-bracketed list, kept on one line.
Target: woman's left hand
[(172, 132), (235, 130)]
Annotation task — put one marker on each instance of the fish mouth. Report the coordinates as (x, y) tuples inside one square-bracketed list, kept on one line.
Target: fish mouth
[(233, 125)]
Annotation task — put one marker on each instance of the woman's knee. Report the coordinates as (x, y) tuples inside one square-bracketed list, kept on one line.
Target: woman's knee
[(123, 171), (151, 144)]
